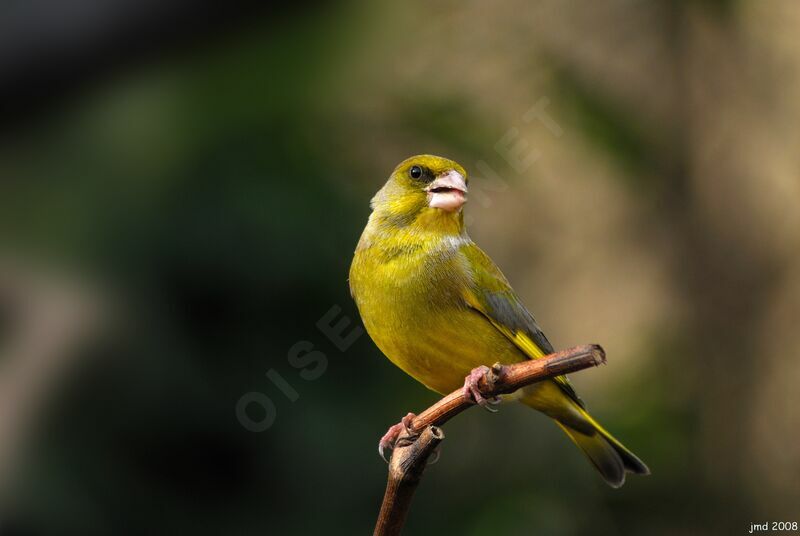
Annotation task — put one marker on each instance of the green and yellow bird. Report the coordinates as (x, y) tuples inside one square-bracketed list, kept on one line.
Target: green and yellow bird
[(440, 309)]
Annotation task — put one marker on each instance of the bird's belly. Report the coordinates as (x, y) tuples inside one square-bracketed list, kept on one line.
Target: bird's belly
[(413, 309), (441, 353)]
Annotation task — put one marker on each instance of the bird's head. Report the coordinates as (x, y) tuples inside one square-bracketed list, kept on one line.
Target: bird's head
[(423, 185)]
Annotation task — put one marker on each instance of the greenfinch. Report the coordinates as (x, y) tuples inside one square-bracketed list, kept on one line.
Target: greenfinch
[(437, 306)]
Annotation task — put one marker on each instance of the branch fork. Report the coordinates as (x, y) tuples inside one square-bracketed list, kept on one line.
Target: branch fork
[(422, 435)]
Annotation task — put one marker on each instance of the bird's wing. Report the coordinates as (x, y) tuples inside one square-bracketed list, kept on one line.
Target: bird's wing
[(491, 295)]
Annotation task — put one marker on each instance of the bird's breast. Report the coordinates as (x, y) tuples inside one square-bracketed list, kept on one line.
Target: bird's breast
[(411, 302)]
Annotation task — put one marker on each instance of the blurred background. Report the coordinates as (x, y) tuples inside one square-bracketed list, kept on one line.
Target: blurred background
[(182, 186)]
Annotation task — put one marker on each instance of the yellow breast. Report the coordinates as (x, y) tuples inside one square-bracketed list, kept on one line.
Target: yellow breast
[(410, 298)]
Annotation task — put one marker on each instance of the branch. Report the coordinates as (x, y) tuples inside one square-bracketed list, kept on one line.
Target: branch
[(410, 457), (405, 471)]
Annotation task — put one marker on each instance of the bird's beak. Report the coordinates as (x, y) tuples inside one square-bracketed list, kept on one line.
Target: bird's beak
[(448, 192)]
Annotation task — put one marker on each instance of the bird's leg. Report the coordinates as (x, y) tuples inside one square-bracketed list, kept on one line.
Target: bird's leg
[(392, 438), (471, 389)]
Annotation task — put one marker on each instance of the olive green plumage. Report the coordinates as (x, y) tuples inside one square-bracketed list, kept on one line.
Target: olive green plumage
[(437, 306)]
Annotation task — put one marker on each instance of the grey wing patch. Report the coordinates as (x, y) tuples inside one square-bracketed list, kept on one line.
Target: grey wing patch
[(510, 312), (506, 309)]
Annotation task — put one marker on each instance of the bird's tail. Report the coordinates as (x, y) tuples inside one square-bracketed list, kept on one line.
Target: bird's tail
[(608, 455)]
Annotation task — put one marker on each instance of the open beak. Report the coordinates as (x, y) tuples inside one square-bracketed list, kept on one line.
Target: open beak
[(448, 192)]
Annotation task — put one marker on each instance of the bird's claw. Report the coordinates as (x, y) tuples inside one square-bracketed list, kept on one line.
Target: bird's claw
[(471, 389), (490, 402), (394, 438), (435, 456)]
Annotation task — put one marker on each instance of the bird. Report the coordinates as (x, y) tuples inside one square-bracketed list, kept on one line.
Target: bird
[(440, 309)]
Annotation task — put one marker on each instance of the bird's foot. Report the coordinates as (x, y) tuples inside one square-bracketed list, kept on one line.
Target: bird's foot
[(394, 437), (471, 389)]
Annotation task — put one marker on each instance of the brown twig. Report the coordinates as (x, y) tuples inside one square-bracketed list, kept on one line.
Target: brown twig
[(405, 472), (410, 458)]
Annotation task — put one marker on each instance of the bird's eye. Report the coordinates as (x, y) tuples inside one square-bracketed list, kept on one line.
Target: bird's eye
[(415, 172)]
